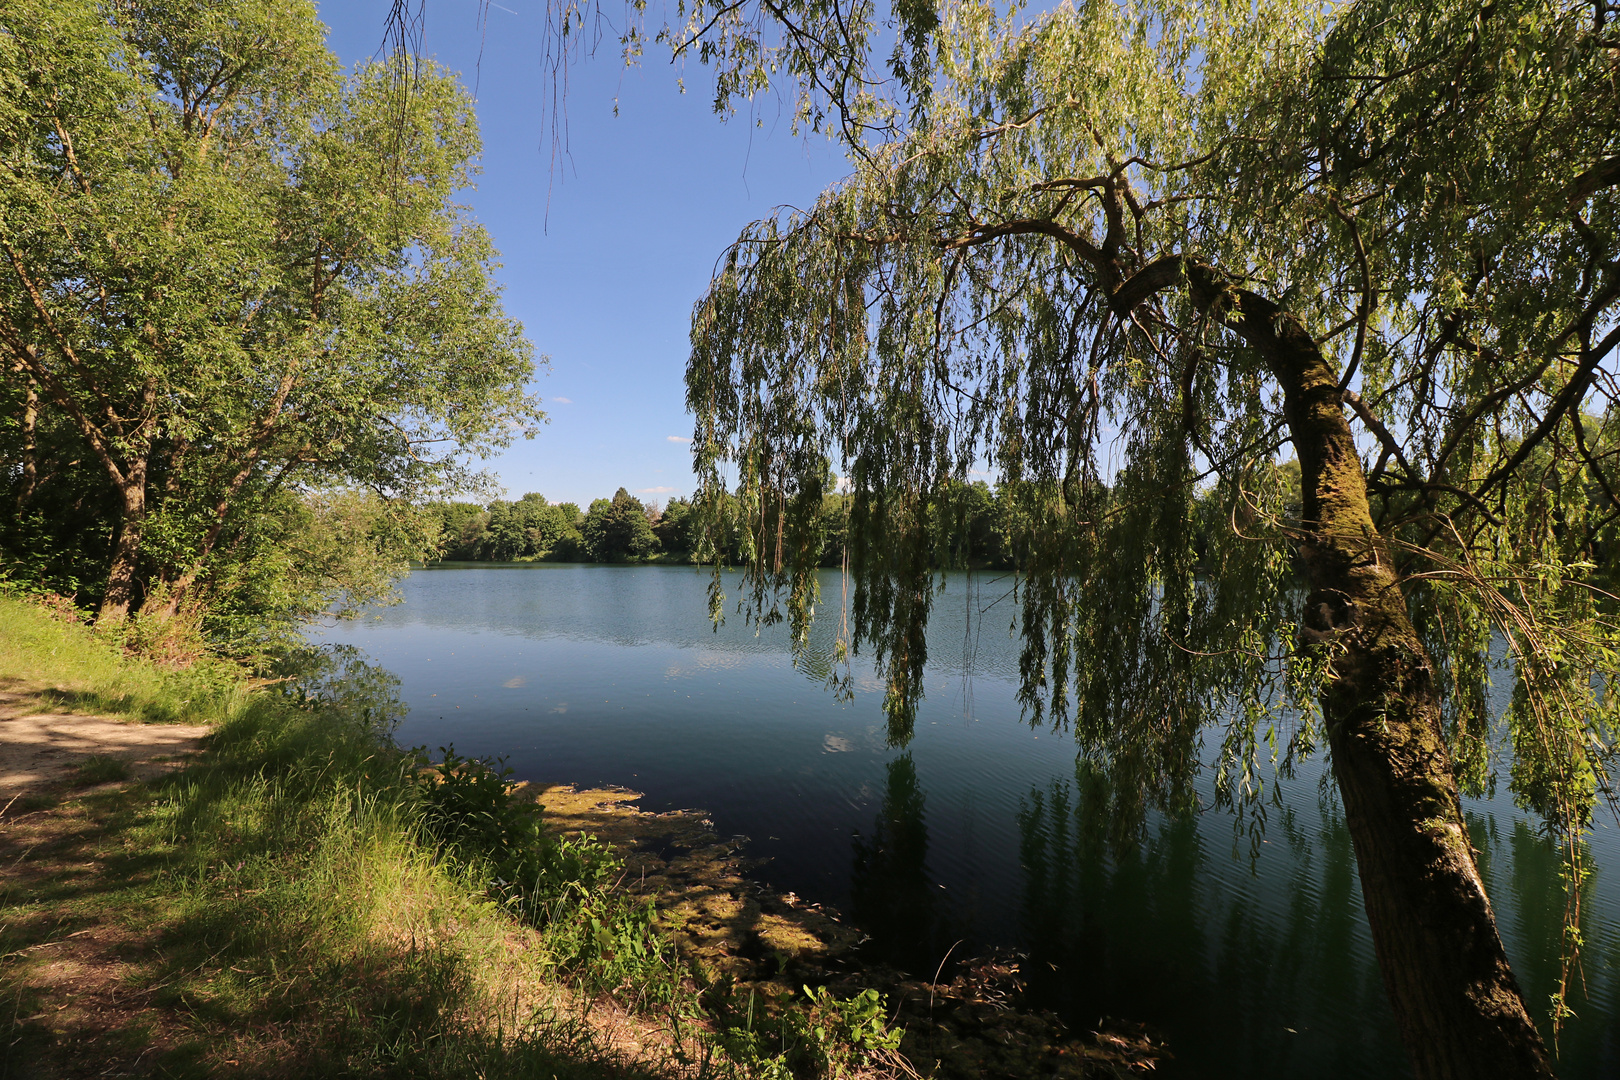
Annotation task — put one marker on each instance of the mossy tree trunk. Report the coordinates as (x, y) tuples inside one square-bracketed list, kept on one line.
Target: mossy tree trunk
[(1456, 1002)]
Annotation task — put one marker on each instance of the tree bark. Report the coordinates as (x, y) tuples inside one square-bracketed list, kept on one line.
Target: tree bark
[(1456, 1002), (120, 594), (30, 424)]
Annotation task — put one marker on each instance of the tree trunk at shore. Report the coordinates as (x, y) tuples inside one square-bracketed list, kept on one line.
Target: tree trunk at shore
[(1456, 1002)]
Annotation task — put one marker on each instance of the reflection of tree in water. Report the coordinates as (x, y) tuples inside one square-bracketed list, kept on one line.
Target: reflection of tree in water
[(1523, 871), (1248, 970), (893, 898), (340, 675)]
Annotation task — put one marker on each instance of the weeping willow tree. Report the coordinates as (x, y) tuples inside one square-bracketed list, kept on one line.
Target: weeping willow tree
[(1131, 256)]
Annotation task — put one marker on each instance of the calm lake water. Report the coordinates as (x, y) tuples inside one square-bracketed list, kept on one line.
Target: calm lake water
[(1252, 965)]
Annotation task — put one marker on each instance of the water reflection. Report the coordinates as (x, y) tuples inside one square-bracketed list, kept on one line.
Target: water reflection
[(346, 678), (1248, 951), (1523, 876), (893, 897), (1252, 977)]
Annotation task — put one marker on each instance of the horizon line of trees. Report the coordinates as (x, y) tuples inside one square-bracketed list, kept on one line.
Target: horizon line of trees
[(972, 526)]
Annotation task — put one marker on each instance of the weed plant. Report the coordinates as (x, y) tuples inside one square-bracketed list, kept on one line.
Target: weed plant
[(100, 770), (606, 942)]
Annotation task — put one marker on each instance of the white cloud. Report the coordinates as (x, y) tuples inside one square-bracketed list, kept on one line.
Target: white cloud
[(654, 491), (676, 438), (563, 400)]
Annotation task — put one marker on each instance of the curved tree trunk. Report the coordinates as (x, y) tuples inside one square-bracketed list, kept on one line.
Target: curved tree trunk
[(1455, 999)]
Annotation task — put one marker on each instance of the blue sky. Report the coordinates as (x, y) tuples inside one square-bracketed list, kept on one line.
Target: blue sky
[(605, 279)]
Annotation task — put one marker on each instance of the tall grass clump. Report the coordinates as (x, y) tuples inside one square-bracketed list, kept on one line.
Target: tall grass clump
[(302, 874), (44, 649)]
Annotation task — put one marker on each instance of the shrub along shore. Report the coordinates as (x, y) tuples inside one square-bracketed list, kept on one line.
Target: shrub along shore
[(305, 897)]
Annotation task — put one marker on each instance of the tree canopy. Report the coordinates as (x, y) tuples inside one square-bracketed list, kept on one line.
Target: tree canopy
[(232, 278), (1126, 254)]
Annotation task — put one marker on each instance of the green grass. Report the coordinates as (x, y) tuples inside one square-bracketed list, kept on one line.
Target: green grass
[(76, 670), (322, 918), (304, 900), (281, 907), (100, 770), (283, 916)]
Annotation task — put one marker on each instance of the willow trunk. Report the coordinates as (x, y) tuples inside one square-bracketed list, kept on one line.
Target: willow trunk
[(1456, 1002)]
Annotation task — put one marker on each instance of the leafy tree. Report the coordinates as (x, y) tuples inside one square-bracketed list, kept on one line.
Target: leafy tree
[(616, 529), (1126, 253), (332, 552), (568, 544), (528, 528), (461, 527), (227, 273), (672, 528)]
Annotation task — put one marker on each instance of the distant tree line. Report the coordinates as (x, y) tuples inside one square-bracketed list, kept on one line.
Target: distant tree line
[(971, 526), (620, 529)]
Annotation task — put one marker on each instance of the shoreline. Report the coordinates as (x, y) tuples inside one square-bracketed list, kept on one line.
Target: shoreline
[(724, 919), (273, 901)]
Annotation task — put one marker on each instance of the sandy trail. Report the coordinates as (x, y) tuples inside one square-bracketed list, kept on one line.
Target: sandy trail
[(38, 749)]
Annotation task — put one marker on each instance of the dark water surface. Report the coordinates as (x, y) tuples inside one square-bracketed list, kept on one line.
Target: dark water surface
[(1251, 965)]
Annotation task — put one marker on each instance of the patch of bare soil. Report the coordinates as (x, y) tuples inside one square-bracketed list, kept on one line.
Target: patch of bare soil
[(77, 1011), (724, 921), (39, 749)]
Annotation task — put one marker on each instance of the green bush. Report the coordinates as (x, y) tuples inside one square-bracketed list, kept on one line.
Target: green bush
[(823, 1036), (563, 887)]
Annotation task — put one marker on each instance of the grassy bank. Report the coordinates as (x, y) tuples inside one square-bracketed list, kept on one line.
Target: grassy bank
[(44, 650), (306, 898), (274, 909), (302, 900)]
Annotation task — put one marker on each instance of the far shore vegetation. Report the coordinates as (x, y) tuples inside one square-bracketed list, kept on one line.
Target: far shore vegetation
[(972, 525)]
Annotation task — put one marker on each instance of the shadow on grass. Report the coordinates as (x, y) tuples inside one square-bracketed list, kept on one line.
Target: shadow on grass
[(204, 948)]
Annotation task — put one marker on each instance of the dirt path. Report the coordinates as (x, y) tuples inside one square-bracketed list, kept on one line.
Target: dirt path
[(78, 1013), (43, 748), (74, 1010)]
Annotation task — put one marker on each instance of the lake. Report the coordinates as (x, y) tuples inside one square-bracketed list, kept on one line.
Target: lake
[(1251, 955)]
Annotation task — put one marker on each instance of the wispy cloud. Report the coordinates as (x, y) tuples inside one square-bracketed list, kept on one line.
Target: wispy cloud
[(676, 438), (563, 400), (654, 491)]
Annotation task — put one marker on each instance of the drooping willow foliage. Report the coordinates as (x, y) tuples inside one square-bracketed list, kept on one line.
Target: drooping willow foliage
[(921, 321), (1000, 285)]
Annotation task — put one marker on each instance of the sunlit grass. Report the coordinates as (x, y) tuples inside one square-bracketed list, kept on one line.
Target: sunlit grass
[(100, 770), (281, 905), (73, 668)]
